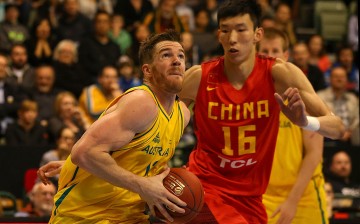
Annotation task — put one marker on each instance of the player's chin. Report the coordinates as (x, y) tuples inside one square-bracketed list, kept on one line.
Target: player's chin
[(175, 85)]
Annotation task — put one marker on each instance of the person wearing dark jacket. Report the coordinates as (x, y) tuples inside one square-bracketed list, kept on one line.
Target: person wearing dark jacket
[(98, 50)]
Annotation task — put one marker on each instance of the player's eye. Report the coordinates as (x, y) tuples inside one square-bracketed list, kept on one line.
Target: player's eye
[(165, 55)]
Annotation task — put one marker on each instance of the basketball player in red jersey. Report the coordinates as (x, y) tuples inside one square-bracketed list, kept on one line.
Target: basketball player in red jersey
[(237, 117)]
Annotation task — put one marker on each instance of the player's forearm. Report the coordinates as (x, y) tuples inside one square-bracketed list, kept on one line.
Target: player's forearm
[(331, 127), (305, 174), (313, 150), (99, 163)]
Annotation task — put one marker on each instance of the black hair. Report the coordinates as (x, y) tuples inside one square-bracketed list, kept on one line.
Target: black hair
[(232, 8)]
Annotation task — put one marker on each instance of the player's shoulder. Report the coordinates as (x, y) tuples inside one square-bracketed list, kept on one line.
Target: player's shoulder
[(194, 68), (281, 66), (186, 112), (194, 72), (139, 99), (138, 107)]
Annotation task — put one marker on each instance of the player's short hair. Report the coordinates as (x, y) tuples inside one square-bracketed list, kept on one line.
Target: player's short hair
[(146, 52), (272, 33)]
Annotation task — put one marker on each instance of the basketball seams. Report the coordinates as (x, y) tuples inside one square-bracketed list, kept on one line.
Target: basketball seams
[(185, 179), (186, 185)]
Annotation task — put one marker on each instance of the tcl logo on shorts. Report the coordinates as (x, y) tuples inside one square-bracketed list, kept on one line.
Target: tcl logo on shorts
[(236, 163)]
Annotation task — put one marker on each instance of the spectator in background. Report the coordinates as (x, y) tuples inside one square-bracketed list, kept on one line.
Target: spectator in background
[(353, 34), (133, 11), (2, 10), (11, 31), (283, 21), (329, 199), (96, 97), (44, 92), (40, 45), (164, 17), (26, 131), (67, 114), (118, 34), (141, 33), (318, 56), (211, 6), (267, 22), (185, 13), (203, 35), (345, 58), (64, 143), (193, 55), (266, 8), (72, 24), (50, 9), (10, 99), (339, 175), (300, 56), (98, 50), (20, 71), (41, 201), (89, 7), (69, 74), (127, 78), (343, 103)]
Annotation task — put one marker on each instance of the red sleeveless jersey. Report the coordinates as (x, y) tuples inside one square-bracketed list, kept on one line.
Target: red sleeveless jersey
[(236, 130)]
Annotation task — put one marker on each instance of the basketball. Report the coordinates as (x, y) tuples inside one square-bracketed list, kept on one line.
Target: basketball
[(186, 186)]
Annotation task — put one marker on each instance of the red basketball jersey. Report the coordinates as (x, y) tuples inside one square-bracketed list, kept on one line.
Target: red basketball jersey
[(236, 130)]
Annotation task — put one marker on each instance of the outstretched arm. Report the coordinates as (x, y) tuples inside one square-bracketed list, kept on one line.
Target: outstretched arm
[(293, 85), (313, 149)]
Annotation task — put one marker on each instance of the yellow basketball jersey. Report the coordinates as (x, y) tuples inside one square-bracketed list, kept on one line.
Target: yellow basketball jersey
[(287, 159), (84, 196), (286, 166)]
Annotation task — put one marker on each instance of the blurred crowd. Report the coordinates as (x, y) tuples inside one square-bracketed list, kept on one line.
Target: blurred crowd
[(63, 61)]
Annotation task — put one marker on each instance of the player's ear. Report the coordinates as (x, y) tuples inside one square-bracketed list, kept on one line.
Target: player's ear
[(146, 69), (259, 33)]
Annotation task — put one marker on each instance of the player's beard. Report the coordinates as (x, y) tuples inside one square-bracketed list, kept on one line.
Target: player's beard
[(171, 84)]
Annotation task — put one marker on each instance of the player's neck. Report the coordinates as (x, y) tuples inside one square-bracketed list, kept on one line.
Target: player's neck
[(237, 73), (166, 99)]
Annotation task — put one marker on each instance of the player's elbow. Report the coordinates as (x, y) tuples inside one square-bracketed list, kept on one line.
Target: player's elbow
[(78, 156), (340, 131)]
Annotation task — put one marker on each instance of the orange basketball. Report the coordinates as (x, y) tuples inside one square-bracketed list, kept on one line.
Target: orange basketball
[(186, 186)]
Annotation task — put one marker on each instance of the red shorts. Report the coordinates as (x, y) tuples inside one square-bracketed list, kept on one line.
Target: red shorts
[(220, 208)]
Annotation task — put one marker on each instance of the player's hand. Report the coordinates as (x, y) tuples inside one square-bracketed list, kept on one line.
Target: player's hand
[(287, 212), (48, 170), (295, 107), (156, 195)]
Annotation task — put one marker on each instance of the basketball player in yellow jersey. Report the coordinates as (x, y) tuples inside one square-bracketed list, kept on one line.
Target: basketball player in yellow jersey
[(119, 163), (295, 193)]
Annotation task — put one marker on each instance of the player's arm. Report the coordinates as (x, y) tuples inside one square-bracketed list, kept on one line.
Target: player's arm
[(313, 150), (134, 113), (191, 85), (186, 113), (293, 84)]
